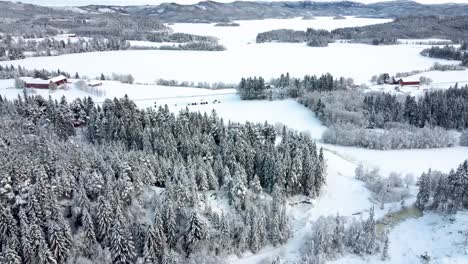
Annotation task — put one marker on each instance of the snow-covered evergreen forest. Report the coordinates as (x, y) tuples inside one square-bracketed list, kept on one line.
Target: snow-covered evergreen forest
[(116, 184), (445, 193)]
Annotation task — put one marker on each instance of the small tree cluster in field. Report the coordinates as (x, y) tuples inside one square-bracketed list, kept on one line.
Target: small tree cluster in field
[(201, 45), (425, 80), (442, 192), (464, 138), (333, 237), (19, 83), (313, 37), (446, 67), (289, 87), (447, 52), (123, 78), (406, 137), (82, 85), (384, 190), (216, 85)]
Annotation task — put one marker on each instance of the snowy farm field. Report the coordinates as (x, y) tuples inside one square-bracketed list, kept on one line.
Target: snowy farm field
[(231, 65)]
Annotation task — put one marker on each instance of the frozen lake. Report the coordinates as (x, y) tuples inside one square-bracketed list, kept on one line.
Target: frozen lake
[(244, 57)]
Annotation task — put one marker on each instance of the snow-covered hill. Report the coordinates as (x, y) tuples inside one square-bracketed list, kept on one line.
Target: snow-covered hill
[(189, 2)]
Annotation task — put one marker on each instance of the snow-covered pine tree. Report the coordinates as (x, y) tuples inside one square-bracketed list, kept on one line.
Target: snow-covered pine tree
[(194, 233), (121, 243), (424, 190)]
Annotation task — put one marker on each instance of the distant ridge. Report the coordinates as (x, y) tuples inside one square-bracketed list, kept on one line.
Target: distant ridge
[(211, 11)]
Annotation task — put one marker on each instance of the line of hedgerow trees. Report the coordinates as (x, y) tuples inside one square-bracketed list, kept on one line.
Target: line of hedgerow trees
[(82, 183)]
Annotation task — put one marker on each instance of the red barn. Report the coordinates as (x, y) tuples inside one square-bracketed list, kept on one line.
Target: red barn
[(45, 84), (412, 83)]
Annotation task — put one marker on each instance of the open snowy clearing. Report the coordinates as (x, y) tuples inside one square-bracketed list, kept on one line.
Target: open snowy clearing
[(267, 60), (443, 240)]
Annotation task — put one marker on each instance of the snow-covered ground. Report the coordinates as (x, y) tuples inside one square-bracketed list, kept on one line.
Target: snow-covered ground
[(269, 60)]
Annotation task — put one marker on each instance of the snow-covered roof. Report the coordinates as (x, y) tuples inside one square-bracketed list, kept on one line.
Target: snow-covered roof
[(57, 79), (37, 81)]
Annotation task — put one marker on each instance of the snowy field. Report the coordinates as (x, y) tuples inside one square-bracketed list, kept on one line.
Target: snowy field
[(268, 60), (244, 57)]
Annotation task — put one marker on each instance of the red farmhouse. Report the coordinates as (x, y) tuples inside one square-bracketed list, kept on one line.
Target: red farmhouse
[(414, 83), (45, 84)]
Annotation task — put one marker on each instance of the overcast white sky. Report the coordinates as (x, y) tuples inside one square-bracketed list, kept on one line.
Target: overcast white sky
[(155, 2)]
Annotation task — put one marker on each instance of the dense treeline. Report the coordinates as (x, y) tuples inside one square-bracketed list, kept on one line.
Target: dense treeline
[(412, 27), (11, 72), (177, 37), (286, 86), (143, 186), (452, 28), (449, 53), (12, 49), (313, 37), (201, 45), (227, 24), (442, 108), (442, 192)]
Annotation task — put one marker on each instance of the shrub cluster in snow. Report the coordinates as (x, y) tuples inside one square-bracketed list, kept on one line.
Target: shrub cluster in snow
[(83, 86), (124, 78), (407, 137), (384, 190), (332, 237), (464, 138), (217, 85)]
